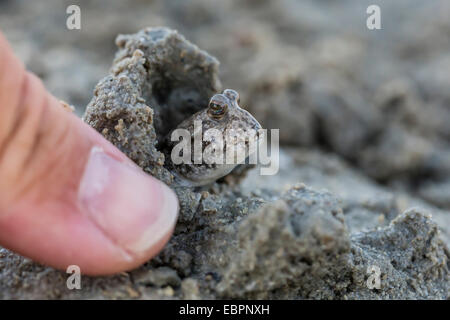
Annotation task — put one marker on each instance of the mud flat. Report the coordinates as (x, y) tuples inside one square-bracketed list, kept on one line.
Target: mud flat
[(364, 165)]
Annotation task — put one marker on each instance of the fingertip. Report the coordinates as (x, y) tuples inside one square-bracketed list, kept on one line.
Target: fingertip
[(132, 208)]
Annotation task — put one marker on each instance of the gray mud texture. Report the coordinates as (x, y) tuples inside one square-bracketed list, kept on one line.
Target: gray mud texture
[(363, 189)]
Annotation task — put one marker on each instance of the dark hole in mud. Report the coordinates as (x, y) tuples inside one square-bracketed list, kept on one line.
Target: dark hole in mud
[(161, 91), (173, 103)]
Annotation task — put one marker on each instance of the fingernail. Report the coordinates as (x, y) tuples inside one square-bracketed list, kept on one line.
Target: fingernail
[(132, 208)]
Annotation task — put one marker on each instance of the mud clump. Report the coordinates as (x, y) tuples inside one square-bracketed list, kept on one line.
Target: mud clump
[(290, 248), (299, 248), (411, 257)]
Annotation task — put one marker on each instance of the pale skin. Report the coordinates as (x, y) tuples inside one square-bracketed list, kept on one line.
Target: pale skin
[(67, 195)]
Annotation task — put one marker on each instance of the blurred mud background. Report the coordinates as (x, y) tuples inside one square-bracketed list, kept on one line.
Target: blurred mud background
[(364, 114)]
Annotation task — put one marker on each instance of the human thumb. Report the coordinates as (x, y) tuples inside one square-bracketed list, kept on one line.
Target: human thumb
[(67, 195)]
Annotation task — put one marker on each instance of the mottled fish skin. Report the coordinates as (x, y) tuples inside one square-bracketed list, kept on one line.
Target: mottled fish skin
[(223, 113)]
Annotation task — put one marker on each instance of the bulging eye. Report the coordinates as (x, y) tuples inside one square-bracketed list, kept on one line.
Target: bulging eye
[(217, 110), (232, 94)]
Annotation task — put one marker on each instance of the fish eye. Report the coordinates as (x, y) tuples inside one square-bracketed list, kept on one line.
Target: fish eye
[(217, 109), (232, 94)]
